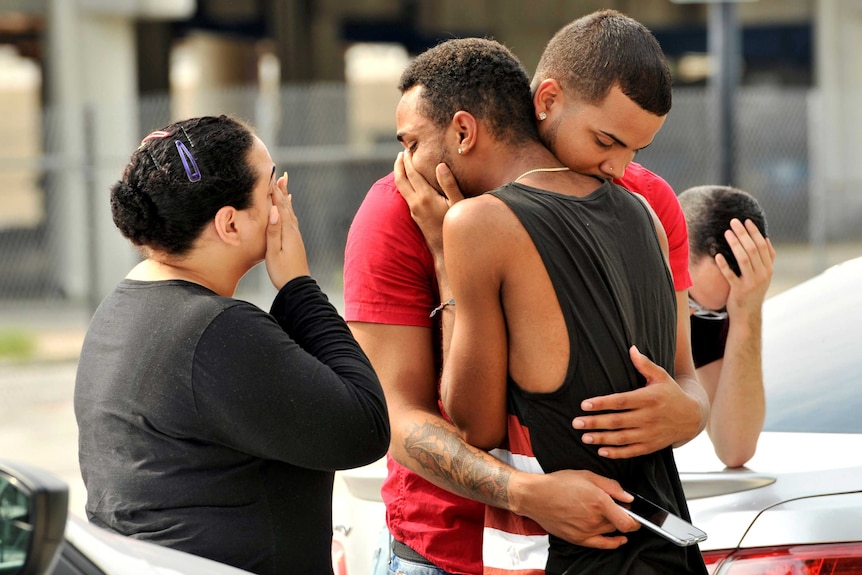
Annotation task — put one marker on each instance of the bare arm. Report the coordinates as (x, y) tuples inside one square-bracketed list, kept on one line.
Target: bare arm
[(735, 383), (690, 421), (575, 505), (474, 376), (475, 397), (422, 439)]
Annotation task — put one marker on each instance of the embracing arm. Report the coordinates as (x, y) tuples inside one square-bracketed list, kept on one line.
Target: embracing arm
[(575, 505), (422, 440), (693, 417)]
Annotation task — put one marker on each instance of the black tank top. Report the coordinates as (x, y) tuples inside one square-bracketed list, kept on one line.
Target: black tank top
[(614, 289)]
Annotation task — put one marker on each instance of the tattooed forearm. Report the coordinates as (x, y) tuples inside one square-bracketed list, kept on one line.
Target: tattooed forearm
[(456, 466)]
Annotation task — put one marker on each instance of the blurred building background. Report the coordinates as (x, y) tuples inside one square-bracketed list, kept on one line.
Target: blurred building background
[(765, 98)]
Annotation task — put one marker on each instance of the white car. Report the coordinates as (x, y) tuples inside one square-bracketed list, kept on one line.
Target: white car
[(359, 520), (39, 537), (796, 508)]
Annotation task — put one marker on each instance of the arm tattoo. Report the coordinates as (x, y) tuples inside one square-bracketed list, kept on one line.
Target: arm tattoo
[(457, 466)]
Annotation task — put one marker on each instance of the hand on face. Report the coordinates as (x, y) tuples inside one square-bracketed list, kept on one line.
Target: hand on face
[(285, 251), (755, 256), (427, 205)]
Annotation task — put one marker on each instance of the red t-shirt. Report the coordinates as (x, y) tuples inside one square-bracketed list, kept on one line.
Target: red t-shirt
[(664, 202), (389, 278)]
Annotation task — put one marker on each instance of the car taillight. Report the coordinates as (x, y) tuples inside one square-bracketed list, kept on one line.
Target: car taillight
[(713, 560), (339, 561), (826, 559)]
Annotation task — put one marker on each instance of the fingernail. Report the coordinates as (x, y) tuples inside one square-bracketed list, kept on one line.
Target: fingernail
[(273, 215), (587, 438), (578, 424), (603, 452)]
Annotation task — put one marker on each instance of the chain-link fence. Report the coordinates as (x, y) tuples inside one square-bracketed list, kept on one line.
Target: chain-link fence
[(308, 137), (770, 152), (307, 132)]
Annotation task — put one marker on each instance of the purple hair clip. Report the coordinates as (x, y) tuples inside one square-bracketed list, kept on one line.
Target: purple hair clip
[(192, 170)]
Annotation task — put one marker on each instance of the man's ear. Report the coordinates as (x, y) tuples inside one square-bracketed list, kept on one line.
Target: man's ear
[(466, 127), (548, 94), (225, 223)]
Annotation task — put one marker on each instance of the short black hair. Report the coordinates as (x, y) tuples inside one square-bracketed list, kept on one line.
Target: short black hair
[(708, 211), (479, 76), (156, 205), (604, 49)]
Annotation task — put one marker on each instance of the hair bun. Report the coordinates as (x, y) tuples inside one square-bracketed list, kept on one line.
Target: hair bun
[(134, 213)]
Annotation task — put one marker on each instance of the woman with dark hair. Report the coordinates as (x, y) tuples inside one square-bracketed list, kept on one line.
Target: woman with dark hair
[(206, 424)]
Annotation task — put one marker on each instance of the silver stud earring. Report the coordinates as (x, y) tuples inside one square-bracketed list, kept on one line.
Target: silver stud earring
[(542, 116), (460, 151)]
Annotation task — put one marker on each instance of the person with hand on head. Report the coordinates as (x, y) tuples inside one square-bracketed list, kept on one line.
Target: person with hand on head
[(731, 267), (206, 424), (555, 277)]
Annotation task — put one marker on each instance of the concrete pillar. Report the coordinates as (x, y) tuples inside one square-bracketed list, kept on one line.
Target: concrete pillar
[(372, 73), (291, 22), (836, 119), (93, 92), (110, 116), (20, 141), (68, 200), (838, 37), (205, 66)]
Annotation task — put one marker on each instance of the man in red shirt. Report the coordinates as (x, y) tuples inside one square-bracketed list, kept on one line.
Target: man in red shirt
[(437, 484)]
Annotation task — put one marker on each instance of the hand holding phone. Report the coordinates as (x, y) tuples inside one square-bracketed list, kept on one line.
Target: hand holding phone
[(672, 527)]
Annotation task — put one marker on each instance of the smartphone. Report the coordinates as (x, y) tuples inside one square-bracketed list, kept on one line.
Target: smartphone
[(672, 527)]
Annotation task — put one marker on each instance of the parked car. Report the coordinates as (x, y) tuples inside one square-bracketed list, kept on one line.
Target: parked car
[(797, 505), (39, 537), (358, 519)]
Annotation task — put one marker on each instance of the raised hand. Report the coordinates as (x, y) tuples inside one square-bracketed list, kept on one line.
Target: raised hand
[(755, 256), (285, 251), (428, 201)]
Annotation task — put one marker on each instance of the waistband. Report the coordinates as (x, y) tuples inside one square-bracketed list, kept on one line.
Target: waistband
[(404, 551)]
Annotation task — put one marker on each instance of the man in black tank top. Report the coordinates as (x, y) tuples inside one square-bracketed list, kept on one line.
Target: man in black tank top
[(562, 293)]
